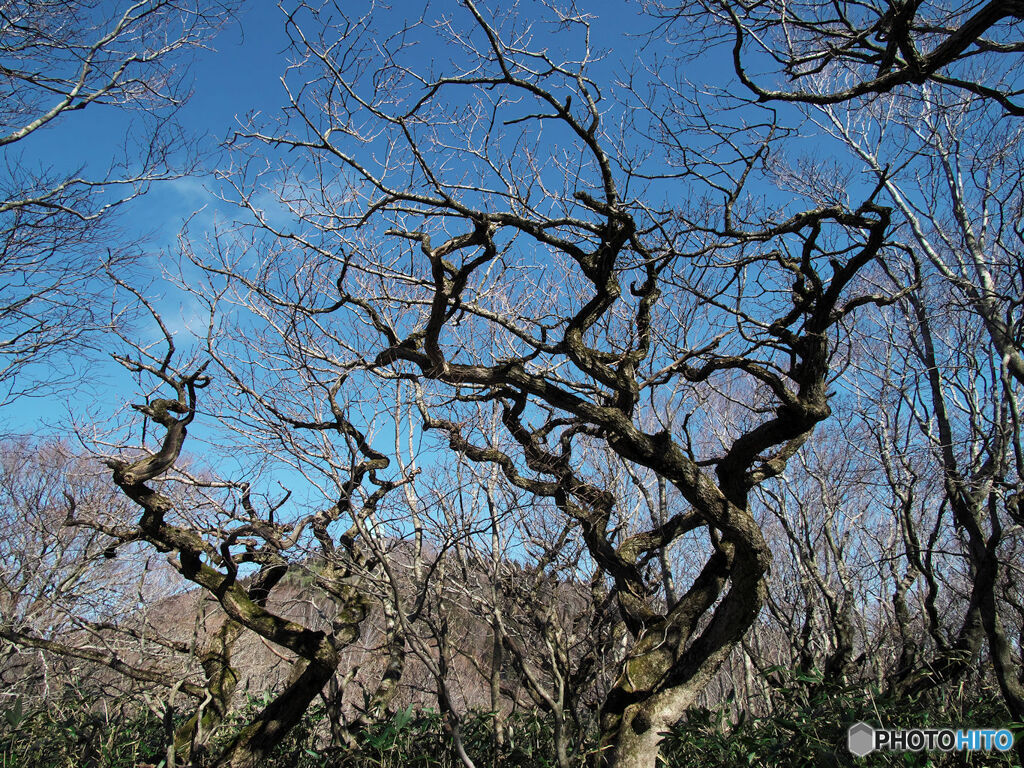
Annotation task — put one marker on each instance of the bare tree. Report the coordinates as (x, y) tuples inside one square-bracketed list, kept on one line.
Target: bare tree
[(541, 277), (73, 603), (221, 534), (604, 319), (954, 180)]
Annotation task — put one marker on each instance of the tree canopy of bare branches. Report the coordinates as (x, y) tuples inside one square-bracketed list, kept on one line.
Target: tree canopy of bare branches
[(558, 381)]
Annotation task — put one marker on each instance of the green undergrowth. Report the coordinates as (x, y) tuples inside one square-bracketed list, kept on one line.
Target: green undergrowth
[(809, 720), (70, 734), (806, 727)]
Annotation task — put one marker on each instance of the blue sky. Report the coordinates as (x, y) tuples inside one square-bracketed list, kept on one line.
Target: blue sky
[(237, 76), (240, 75)]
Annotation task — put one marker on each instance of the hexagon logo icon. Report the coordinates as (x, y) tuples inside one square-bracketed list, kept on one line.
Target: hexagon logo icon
[(860, 738)]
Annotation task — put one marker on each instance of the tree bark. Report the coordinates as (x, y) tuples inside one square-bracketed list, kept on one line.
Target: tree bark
[(250, 748)]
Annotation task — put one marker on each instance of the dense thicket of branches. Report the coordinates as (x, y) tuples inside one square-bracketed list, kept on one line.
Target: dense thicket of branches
[(544, 381)]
